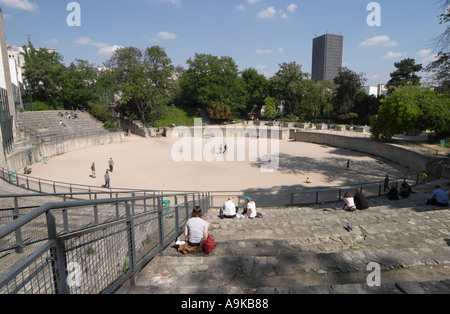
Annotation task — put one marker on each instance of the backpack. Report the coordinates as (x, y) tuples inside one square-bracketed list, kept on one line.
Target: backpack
[(209, 245)]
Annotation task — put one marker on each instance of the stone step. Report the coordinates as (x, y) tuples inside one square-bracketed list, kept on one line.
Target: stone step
[(404, 287), (169, 273)]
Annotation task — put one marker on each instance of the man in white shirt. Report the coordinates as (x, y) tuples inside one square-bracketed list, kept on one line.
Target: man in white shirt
[(229, 209)]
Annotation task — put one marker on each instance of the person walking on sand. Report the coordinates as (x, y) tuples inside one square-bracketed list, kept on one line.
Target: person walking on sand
[(107, 180), (111, 164), (93, 169)]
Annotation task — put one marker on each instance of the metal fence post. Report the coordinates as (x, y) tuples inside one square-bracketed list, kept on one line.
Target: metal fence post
[(131, 243), (161, 224), (18, 232), (58, 257), (177, 216)]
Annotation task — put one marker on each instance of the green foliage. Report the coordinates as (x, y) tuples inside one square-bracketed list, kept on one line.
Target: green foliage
[(218, 111), (44, 72), (210, 79), (101, 112), (255, 87), (270, 108), (405, 74), (349, 84), (286, 86), (410, 109), (143, 78), (178, 116)]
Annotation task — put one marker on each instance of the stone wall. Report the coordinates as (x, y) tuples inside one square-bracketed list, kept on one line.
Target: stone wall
[(226, 131), (18, 161), (417, 161)]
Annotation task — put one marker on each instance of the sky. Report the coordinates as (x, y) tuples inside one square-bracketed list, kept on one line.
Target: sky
[(258, 34)]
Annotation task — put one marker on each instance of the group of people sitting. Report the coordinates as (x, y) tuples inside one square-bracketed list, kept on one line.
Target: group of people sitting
[(354, 202), (358, 201), (197, 230), (394, 194), (231, 211), (71, 115)]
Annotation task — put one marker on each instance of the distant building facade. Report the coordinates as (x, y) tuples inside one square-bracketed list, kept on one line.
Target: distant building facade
[(377, 91), (10, 95), (328, 51)]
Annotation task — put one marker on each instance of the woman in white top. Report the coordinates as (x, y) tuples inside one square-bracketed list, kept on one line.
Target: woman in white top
[(196, 228), (251, 208), (229, 209), (349, 202)]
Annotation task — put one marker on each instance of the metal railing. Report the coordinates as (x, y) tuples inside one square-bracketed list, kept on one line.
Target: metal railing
[(92, 246)]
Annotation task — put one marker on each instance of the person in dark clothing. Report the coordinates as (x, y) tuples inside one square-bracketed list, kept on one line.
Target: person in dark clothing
[(360, 200), (393, 193), (405, 191), (386, 183)]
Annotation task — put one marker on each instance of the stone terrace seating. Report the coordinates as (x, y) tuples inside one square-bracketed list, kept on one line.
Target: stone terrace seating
[(308, 250), (45, 125)]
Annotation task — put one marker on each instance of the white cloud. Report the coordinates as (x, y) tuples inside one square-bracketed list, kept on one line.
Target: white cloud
[(240, 8), (270, 12), (166, 36), (292, 7), (261, 67), (20, 4), (263, 52), (104, 49), (163, 36), (174, 2), (52, 41), (426, 56), (385, 41), (253, 1), (280, 50), (393, 55), (107, 51)]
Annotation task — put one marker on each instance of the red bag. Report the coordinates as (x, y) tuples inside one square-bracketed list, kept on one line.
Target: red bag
[(209, 245)]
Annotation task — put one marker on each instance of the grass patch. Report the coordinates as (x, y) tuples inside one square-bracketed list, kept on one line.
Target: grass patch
[(178, 116)]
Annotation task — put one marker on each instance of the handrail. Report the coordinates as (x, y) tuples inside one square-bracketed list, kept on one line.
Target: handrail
[(21, 221), (136, 238)]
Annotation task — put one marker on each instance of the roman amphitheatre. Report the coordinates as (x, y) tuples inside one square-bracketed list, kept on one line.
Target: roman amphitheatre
[(303, 244), (147, 163)]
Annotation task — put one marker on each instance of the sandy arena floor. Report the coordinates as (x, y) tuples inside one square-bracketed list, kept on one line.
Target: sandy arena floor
[(149, 164)]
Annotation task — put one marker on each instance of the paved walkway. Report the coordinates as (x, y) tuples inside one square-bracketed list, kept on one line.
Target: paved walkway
[(309, 250)]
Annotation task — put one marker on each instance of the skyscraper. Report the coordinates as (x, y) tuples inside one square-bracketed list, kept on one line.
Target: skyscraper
[(327, 57)]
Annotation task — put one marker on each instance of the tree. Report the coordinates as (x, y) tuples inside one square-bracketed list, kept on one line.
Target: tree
[(143, 78), (255, 89), (79, 86), (441, 72), (269, 108), (317, 98), (210, 79), (218, 111), (349, 84), (44, 72), (440, 68), (411, 109), (285, 86), (405, 74)]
